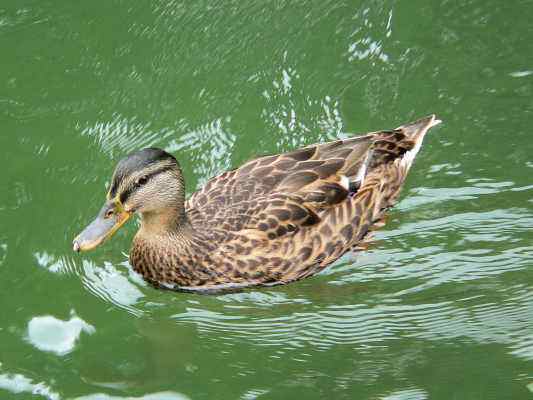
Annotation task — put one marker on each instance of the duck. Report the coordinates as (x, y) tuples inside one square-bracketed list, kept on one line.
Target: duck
[(276, 219)]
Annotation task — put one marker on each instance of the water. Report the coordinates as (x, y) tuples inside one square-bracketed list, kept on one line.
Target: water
[(440, 307)]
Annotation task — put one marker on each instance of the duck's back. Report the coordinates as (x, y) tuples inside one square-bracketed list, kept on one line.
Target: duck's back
[(283, 217)]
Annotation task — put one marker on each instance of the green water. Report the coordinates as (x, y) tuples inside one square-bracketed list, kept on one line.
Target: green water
[(440, 307)]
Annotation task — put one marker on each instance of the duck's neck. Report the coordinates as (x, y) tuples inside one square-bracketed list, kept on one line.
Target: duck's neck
[(168, 250), (166, 222)]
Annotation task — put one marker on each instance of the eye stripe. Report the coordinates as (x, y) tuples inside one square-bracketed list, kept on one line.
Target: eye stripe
[(114, 186), (132, 188)]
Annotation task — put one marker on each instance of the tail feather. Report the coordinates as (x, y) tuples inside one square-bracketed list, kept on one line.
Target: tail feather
[(416, 132), (402, 144), (394, 152)]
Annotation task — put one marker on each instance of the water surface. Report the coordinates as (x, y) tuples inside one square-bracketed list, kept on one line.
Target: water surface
[(440, 307)]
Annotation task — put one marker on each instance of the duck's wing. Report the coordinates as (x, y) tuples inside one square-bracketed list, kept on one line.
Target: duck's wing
[(284, 192), (318, 174)]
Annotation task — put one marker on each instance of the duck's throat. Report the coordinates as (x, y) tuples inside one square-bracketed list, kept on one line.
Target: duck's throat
[(164, 249), (169, 221)]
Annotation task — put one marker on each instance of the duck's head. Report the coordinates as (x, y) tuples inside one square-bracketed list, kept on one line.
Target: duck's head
[(148, 182)]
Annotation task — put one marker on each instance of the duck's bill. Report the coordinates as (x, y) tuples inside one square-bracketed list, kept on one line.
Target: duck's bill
[(102, 228)]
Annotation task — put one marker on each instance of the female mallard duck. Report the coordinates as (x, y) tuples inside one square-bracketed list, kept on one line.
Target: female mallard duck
[(274, 220)]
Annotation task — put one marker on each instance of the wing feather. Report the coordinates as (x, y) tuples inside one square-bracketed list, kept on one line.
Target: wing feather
[(280, 194)]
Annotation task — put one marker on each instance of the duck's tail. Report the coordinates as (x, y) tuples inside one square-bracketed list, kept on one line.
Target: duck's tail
[(416, 131), (393, 153)]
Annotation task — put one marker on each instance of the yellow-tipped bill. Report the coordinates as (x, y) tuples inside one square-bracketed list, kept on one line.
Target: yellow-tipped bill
[(110, 218)]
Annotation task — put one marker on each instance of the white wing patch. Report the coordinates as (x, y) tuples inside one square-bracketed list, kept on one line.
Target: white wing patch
[(345, 182)]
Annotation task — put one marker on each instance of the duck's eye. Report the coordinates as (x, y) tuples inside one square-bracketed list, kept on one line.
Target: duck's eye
[(108, 213), (142, 180)]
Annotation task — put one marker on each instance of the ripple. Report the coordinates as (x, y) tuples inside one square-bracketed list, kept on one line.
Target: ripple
[(60, 265), (481, 187), (153, 396), (254, 394), (12, 21), (422, 195), (113, 286), (207, 148), (366, 43), (254, 299), (284, 114), (467, 252), (18, 383), (124, 134), (365, 325), (407, 394)]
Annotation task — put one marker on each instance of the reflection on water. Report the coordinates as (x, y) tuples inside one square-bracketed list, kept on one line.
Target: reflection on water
[(407, 394), (124, 135), (364, 325), (206, 148), (152, 396), (374, 28), (18, 383), (112, 285), (48, 333), (3, 252)]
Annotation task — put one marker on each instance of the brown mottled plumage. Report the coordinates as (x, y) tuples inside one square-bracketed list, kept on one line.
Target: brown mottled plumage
[(274, 220)]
